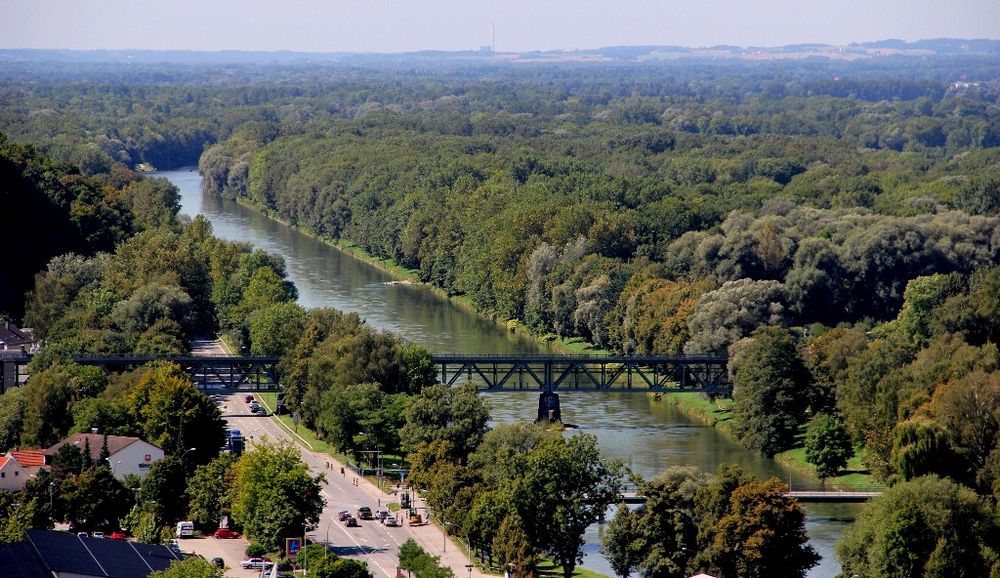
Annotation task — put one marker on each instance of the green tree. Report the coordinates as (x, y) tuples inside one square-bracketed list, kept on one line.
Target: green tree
[(440, 413), (95, 499), (771, 392), (579, 486), (276, 328), (273, 495), (414, 559), (828, 445), (925, 527), (208, 491), (191, 567), (13, 406), (164, 488)]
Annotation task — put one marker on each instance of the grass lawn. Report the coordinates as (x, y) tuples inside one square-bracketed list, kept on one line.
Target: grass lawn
[(549, 569)]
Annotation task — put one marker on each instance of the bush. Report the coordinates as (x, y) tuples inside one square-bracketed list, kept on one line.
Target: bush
[(256, 550)]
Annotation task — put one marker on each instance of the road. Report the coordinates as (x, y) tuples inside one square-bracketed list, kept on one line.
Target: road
[(371, 541)]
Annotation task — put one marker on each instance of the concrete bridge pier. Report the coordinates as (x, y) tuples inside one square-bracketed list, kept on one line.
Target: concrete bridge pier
[(548, 407)]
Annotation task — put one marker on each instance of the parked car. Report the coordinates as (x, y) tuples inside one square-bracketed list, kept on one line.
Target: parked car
[(225, 534), (118, 536), (351, 522), (365, 513), (343, 515), (248, 398), (98, 534), (175, 546), (219, 562), (82, 535), (254, 563)]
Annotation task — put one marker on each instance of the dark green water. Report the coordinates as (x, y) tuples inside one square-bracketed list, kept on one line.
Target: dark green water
[(648, 436)]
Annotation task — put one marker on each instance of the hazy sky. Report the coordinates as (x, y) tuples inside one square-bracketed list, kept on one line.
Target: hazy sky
[(401, 25)]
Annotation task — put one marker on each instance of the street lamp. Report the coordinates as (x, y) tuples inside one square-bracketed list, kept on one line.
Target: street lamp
[(186, 453)]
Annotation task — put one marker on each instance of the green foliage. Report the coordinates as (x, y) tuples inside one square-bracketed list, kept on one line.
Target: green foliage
[(925, 527), (828, 445), (273, 496), (163, 489), (771, 392), (456, 415), (730, 525), (13, 407), (208, 491), (275, 328), (190, 567), (414, 559)]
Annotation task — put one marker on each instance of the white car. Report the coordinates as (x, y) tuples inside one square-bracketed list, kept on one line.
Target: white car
[(255, 563)]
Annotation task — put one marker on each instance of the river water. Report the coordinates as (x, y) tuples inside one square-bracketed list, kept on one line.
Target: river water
[(647, 435)]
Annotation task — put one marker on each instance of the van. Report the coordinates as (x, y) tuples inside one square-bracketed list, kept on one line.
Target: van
[(185, 529)]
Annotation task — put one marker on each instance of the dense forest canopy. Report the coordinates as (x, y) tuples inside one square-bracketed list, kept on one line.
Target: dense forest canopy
[(833, 226)]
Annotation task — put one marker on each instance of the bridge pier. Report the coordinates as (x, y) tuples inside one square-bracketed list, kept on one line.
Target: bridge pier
[(548, 407)]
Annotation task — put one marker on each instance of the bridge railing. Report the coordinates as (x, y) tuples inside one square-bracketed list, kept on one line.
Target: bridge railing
[(592, 357)]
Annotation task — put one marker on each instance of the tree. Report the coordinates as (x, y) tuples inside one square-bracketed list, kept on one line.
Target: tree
[(273, 495), (276, 328), (190, 567), (174, 415), (731, 312), (579, 486), (95, 499), (414, 559), (164, 489), (920, 447), (925, 527), (208, 491), (453, 414), (13, 405), (771, 392), (828, 445), (762, 534)]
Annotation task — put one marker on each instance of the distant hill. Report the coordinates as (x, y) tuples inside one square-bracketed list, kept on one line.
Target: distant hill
[(621, 54)]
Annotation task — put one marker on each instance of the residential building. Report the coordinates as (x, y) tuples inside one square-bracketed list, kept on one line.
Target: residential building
[(128, 455), (13, 339), (62, 555), (30, 460), (12, 475)]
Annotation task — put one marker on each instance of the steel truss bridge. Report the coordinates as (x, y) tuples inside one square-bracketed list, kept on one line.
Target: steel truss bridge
[(223, 373), (606, 373), (547, 374)]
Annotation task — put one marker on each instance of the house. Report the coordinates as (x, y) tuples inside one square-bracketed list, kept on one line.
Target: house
[(30, 460), (128, 455), (12, 475), (61, 555), (13, 339)]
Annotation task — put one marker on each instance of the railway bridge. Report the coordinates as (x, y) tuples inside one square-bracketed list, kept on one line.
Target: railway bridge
[(548, 374)]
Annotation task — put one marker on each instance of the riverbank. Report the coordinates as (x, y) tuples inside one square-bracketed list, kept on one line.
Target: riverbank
[(718, 414), (715, 413)]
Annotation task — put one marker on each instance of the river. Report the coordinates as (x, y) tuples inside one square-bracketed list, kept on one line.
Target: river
[(647, 435)]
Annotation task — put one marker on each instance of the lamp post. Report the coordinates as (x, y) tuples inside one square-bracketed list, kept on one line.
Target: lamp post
[(186, 453)]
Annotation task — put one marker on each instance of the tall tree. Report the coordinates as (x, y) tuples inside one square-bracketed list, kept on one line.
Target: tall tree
[(771, 392)]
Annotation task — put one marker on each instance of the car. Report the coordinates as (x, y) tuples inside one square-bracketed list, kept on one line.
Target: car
[(343, 515), (118, 536), (351, 522), (254, 408), (254, 563), (82, 535), (98, 534), (219, 562), (365, 513), (248, 398), (391, 522), (381, 514), (225, 534), (174, 546)]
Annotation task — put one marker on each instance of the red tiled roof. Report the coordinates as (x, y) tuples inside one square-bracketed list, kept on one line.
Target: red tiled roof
[(30, 458), (3, 460)]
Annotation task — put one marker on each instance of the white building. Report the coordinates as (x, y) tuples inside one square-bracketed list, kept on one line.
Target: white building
[(12, 475), (128, 455)]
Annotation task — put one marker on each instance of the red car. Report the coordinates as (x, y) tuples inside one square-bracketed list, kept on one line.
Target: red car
[(117, 536), (248, 398), (225, 533)]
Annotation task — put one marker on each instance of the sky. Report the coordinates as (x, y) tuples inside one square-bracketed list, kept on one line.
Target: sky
[(520, 25)]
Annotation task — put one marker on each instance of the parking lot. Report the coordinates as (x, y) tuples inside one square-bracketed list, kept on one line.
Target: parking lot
[(232, 551)]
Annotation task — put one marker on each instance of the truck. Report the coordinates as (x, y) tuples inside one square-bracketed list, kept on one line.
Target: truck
[(235, 442), (185, 529)]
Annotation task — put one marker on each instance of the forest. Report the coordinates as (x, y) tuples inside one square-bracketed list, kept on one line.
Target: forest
[(834, 227)]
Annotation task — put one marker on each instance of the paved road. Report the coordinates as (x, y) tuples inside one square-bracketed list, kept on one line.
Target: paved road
[(371, 541)]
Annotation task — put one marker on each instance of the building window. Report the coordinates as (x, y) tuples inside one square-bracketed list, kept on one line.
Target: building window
[(3, 474)]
